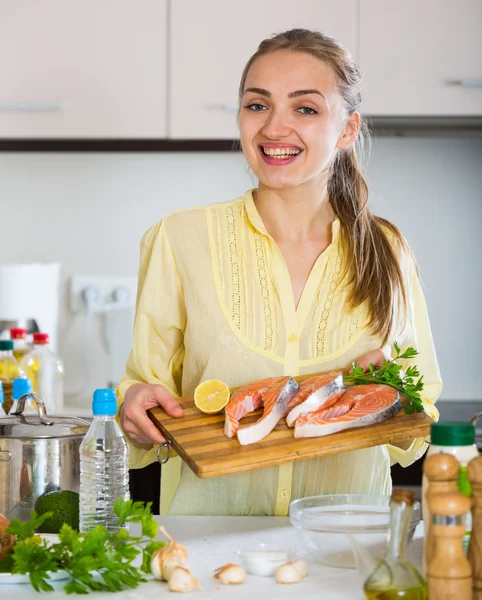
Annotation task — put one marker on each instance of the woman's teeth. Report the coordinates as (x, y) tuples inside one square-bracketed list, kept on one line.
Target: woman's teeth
[(281, 152)]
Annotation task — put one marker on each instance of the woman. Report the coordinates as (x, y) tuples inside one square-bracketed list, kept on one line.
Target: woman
[(295, 277)]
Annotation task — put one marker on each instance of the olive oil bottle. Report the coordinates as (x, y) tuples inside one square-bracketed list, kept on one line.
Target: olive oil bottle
[(395, 577)]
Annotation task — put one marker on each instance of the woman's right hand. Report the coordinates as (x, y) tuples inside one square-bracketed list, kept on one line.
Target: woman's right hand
[(133, 416)]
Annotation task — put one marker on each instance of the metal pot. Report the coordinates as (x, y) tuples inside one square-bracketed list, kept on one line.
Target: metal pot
[(39, 453)]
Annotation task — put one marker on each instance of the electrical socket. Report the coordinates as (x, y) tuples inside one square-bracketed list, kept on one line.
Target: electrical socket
[(111, 289)]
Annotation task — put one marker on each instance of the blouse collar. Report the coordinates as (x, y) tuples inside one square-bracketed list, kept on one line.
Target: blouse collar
[(257, 222)]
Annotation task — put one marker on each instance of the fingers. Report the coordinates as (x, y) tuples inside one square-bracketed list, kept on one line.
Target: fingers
[(134, 419), (140, 429)]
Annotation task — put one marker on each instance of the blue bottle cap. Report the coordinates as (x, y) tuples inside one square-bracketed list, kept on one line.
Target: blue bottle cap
[(104, 402), (21, 386)]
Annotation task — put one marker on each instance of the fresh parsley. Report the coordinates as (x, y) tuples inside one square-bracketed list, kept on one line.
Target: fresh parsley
[(96, 561), (409, 383)]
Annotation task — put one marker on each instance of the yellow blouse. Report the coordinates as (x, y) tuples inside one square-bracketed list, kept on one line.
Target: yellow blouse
[(215, 301)]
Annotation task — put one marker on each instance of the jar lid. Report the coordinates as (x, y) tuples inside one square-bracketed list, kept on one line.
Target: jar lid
[(452, 433), (6, 344)]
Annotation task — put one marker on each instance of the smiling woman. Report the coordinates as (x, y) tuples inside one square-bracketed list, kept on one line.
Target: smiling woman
[(295, 277)]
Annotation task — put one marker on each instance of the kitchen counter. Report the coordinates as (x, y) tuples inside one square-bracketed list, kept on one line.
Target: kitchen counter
[(213, 542)]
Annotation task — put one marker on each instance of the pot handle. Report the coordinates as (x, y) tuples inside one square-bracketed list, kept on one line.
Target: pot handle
[(476, 417), (42, 411)]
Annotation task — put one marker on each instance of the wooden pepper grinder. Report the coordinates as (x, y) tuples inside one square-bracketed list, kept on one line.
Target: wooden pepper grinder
[(474, 474), (442, 472), (449, 570)]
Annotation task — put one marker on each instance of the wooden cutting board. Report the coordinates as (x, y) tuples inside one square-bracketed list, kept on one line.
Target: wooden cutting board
[(199, 439)]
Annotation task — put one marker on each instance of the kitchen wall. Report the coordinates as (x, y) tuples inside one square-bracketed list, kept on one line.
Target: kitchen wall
[(90, 210)]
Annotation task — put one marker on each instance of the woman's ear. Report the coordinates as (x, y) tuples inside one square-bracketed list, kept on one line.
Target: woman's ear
[(350, 132)]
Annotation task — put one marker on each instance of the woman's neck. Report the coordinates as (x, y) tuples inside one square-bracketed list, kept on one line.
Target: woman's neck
[(295, 214)]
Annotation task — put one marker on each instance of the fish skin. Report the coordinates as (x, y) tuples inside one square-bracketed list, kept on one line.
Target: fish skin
[(322, 397), (275, 401), (245, 400), (363, 413)]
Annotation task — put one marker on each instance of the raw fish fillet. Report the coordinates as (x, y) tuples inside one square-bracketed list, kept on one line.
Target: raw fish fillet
[(320, 391), (247, 399), (372, 403), (275, 400)]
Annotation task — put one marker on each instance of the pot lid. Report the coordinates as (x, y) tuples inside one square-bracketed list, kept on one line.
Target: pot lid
[(31, 426), (41, 425)]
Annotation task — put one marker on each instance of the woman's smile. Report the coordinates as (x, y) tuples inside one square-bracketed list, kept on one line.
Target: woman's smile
[(279, 153)]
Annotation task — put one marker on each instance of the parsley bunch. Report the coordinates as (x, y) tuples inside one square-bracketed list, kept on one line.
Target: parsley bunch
[(96, 561), (391, 374)]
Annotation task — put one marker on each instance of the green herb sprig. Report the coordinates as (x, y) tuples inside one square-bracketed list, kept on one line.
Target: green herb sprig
[(96, 561), (390, 373)]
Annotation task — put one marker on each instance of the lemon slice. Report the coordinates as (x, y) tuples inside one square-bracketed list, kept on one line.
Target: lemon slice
[(211, 396)]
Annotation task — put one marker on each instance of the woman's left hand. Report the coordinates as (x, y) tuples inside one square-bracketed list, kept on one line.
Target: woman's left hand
[(375, 357)]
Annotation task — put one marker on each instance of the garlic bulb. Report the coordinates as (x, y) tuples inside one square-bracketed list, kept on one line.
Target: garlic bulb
[(300, 566), (230, 574), (182, 580), (165, 560), (288, 573)]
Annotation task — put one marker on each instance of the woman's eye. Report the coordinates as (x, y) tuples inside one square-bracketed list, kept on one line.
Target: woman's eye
[(306, 110), (256, 107)]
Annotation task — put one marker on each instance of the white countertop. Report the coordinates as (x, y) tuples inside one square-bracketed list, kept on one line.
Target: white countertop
[(213, 542)]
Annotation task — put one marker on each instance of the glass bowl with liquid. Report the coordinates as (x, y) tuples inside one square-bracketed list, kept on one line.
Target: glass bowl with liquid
[(336, 529)]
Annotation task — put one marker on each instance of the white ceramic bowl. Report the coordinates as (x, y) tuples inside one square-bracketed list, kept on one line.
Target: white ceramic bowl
[(330, 526), (264, 559)]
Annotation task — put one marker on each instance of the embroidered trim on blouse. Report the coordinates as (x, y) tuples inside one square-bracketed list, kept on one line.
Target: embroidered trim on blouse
[(265, 295), (233, 257), (325, 314)]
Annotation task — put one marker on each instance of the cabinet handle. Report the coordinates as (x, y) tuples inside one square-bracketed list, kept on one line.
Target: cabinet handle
[(31, 106), (469, 82)]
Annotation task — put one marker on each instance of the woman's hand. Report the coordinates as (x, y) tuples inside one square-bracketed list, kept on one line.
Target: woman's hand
[(375, 357), (133, 417)]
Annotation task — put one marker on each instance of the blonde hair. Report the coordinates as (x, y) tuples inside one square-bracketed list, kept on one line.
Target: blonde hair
[(371, 265)]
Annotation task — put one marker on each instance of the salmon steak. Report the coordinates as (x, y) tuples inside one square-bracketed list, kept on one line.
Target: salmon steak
[(319, 391), (245, 400), (274, 400), (370, 404)]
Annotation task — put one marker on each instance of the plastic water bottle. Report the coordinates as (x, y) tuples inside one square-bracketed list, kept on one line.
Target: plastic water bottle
[(104, 466), (21, 386)]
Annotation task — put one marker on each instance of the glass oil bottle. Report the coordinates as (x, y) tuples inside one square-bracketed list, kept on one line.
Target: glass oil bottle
[(395, 577)]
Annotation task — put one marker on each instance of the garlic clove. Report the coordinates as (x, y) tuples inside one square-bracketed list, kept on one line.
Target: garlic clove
[(300, 566), (173, 546), (156, 566), (165, 560), (288, 574), (230, 574), (182, 580)]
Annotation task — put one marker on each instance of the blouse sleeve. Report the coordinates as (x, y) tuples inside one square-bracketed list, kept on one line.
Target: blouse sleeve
[(417, 333), (158, 349)]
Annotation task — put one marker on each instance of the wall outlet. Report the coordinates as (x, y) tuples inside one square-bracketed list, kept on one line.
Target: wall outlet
[(104, 290)]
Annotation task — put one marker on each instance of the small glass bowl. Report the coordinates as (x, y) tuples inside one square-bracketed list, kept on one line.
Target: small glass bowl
[(264, 559)]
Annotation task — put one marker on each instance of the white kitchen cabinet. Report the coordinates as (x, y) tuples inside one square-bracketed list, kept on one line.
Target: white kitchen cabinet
[(211, 41), (83, 69), (421, 58)]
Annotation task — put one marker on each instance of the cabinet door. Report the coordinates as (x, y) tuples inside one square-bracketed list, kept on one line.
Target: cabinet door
[(83, 69), (421, 57), (211, 41)]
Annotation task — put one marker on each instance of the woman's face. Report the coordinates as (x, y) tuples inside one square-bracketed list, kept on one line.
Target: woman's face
[(292, 119)]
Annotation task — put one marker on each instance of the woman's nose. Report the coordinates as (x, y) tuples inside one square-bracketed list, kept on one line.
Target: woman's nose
[(276, 126)]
